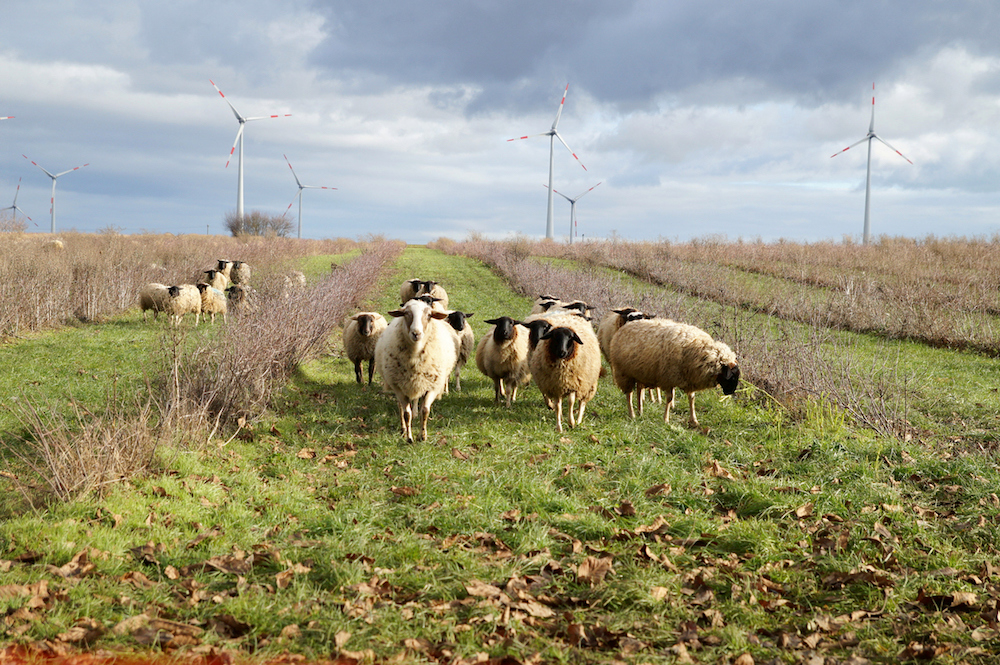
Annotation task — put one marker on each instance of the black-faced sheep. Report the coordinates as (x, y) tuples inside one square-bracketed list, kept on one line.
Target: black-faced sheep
[(225, 267), (240, 297), (414, 356), (360, 337), (610, 324), (413, 288), (183, 299), (153, 297), (668, 355), (567, 363), (465, 342), (502, 355), (213, 301), (216, 279), (240, 272)]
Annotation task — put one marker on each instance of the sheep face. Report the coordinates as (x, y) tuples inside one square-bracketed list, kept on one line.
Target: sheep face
[(729, 379), (174, 291), (202, 287), (365, 323), (536, 329), (457, 319), (504, 329), (417, 314), (562, 341), (221, 265)]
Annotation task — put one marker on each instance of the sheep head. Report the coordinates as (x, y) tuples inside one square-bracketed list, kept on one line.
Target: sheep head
[(729, 379), (504, 328), (365, 323), (417, 317), (536, 329), (562, 341), (457, 319)]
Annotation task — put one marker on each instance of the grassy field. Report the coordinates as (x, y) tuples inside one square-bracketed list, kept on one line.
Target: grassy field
[(318, 531)]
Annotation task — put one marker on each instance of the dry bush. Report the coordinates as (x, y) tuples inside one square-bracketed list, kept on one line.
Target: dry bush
[(233, 377), (96, 276), (258, 223), (64, 457)]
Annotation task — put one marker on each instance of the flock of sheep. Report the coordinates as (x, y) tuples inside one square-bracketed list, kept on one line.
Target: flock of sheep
[(556, 345), (228, 284)]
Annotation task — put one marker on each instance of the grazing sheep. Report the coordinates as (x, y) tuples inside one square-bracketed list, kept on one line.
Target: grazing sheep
[(225, 267), (502, 355), (414, 356), (668, 355), (153, 296), (360, 336), (183, 299), (413, 288), (465, 342), (567, 363), (213, 301), (240, 273), (610, 324), (217, 279)]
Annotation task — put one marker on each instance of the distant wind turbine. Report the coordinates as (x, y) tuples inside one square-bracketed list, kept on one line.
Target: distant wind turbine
[(553, 134), (572, 209), (299, 195), (52, 201), (239, 140), (868, 177), (14, 205)]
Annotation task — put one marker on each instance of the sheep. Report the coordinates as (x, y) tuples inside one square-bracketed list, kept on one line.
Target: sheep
[(225, 267), (413, 288), (610, 324), (213, 301), (502, 355), (240, 297), (465, 341), (360, 336), (183, 299), (53, 245), (240, 273), (567, 363), (544, 303), (216, 279), (153, 296), (414, 356), (668, 355), (435, 303)]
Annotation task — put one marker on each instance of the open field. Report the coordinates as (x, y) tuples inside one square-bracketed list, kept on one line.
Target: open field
[(790, 531)]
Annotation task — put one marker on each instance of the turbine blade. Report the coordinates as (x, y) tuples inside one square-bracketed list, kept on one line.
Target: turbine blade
[(293, 171), (891, 148), (555, 123), (36, 164), (529, 136), (76, 168), (558, 192), (235, 112), (8, 117), (589, 190), (871, 125), (316, 187), (233, 149), (266, 117), (849, 147), (16, 192), (570, 149)]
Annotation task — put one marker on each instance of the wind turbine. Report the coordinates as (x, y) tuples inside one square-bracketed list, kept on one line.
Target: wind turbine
[(868, 177), (572, 209), (14, 206), (553, 134), (239, 139), (299, 195), (7, 117), (52, 201)]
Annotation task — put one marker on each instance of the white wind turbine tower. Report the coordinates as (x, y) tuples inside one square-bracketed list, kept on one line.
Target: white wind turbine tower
[(239, 139), (868, 177), (14, 205), (553, 134), (572, 209), (299, 195), (52, 209)]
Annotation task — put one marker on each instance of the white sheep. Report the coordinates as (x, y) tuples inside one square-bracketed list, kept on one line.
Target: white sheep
[(465, 341), (502, 355), (360, 337), (240, 273), (216, 279), (225, 267), (154, 297), (183, 299), (668, 355), (413, 288), (567, 363), (610, 324), (213, 301), (414, 356)]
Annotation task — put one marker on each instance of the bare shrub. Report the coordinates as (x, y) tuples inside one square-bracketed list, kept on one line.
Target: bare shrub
[(235, 375), (64, 457), (258, 223)]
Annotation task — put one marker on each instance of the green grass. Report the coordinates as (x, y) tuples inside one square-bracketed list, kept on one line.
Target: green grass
[(496, 494)]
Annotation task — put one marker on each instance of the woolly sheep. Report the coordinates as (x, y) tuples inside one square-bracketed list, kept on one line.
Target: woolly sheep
[(183, 299), (225, 267), (413, 288), (567, 363), (435, 303), (465, 341), (213, 301), (360, 336), (240, 273), (544, 303), (414, 356), (216, 279), (668, 355), (240, 297), (154, 297), (502, 355), (53, 245), (610, 324)]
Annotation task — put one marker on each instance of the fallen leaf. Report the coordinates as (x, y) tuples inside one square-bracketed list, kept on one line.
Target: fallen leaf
[(458, 454), (717, 471), (404, 491), (663, 489), (284, 578), (593, 570), (626, 509), (805, 510)]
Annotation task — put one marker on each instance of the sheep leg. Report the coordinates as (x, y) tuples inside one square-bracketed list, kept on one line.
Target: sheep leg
[(694, 421), (497, 389), (631, 409), (371, 371), (406, 418), (559, 414), (583, 405), (357, 371), (425, 412), (640, 391), (572, 409), (513, 395), (670, 403), (458, 378)]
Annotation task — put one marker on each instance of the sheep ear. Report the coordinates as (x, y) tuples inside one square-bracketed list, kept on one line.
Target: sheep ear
[(469, 315), (438, 314), (492, 322), (397, 312), (576, 338)]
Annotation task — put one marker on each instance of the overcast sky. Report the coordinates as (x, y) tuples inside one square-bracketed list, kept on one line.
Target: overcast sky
[(697, 117)]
